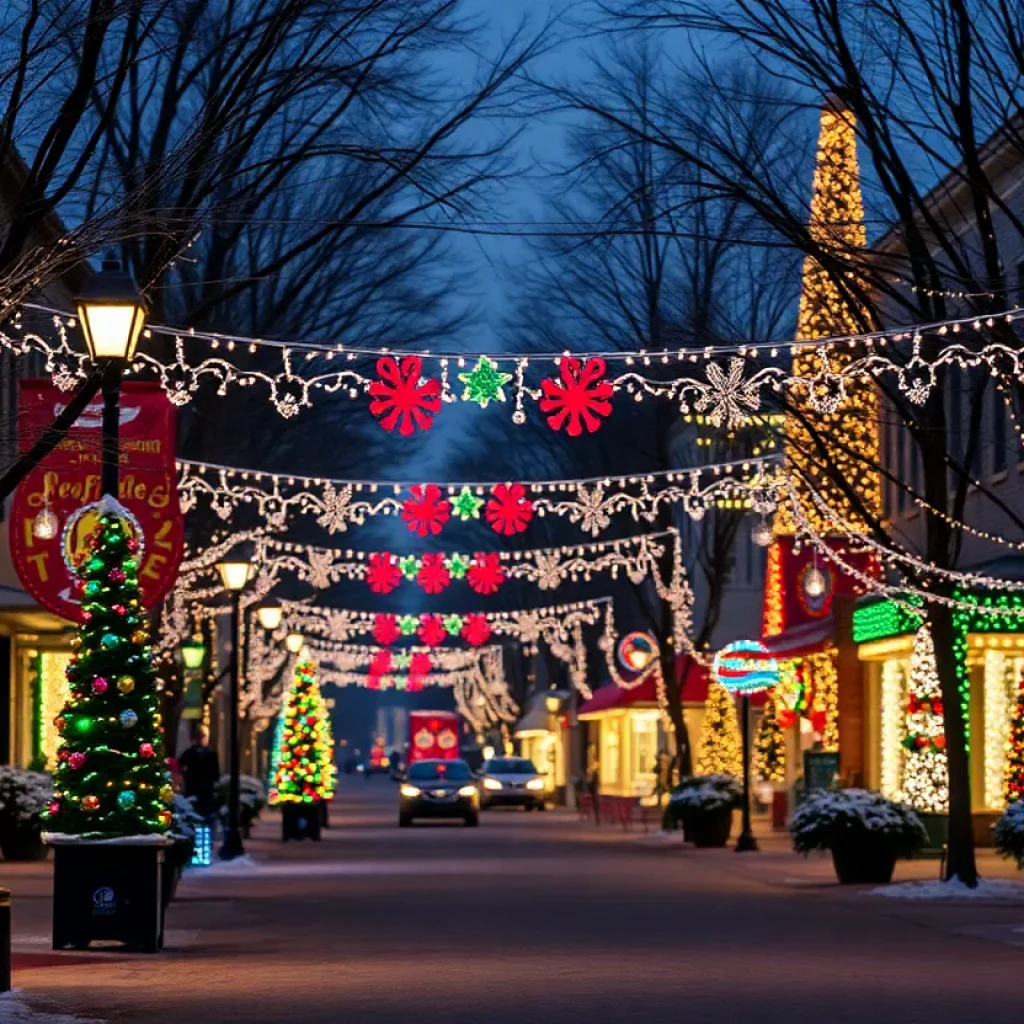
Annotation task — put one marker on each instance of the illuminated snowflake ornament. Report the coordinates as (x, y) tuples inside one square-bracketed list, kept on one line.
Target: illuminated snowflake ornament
[(730, 399)]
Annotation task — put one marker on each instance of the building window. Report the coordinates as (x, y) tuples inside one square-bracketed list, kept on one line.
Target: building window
[(609, 765)]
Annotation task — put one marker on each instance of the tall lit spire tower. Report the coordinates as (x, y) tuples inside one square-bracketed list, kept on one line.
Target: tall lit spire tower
[(825, 444)]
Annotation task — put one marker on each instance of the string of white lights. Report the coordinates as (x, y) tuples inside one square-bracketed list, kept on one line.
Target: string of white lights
[(577, 397), (312, 349), (592, 503)]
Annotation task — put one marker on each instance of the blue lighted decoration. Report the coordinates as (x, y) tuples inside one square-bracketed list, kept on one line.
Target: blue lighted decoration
[(745, 666), (636, 651), (202, 847)]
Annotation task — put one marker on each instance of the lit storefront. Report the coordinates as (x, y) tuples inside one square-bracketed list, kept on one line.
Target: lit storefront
[(541, 736), (627, 729), (989, 650)]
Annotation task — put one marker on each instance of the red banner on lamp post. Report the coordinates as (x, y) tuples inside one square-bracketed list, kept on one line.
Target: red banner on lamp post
[(69, 478)]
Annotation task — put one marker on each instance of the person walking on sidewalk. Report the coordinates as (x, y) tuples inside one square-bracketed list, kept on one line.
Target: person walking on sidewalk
[(200, 769)]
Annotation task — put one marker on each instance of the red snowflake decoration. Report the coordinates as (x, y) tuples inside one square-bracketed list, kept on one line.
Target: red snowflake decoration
[(420, 664), (380, 663), (509, 510), (372, 682), (431, 631), (382, 572), (486, 573), (477, 630), (414, 684), (426, 511), (433, 576), (581, 399), (385, 629), (401, 398)]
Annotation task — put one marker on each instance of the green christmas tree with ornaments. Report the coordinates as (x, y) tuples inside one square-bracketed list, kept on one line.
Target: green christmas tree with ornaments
[(111, 778), (303, 756)]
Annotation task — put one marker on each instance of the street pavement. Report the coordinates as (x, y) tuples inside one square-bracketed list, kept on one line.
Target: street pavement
[(531, 919)]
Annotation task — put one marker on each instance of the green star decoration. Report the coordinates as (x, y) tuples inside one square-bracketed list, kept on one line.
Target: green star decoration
[(467, 505), (484, 383), (403, 659), (408, 624), (453, 624), (458, 566), (410, 566)]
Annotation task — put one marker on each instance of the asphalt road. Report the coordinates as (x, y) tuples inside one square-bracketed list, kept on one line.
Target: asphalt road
[(536, 919)]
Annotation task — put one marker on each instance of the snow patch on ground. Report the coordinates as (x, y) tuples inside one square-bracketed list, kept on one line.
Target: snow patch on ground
[(239, 866), (991, 890), (13, 1010)]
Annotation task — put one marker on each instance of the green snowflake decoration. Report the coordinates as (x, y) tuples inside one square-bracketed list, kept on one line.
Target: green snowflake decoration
[(484, 383), (402, 659), (458, 566), (410, 566), (408, 624), (453, 624), (466, 505)]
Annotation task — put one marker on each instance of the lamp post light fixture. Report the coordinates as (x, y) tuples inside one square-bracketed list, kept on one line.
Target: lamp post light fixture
[(270, 613), (193, 654), (294, 642), (111, 313), (235, 573)]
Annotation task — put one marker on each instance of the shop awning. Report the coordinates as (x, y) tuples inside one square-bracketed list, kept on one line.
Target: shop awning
[(537, 718), (610, 697), (800, 641)]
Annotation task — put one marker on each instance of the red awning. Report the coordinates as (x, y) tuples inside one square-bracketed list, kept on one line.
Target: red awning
[(798, 642), (610, 697)]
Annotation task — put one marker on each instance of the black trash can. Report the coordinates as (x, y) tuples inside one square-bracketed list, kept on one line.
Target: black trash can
[(108, 890)]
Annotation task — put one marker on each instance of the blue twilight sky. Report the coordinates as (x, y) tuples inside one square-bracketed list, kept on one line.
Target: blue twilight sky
[(537, 151)]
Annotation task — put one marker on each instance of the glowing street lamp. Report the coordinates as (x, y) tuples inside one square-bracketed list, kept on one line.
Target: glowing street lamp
[(269, 612), (294, 641), (235, 573), (111, 313), (193, 653)]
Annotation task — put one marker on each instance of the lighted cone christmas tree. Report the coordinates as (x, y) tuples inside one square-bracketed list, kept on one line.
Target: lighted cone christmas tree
[(111, 778), (304, 761), (925, 775), (1013, 787), (720, 748), (770, 746)]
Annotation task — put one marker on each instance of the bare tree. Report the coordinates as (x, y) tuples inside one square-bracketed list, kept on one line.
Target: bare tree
[(935, 94), (644, 259)]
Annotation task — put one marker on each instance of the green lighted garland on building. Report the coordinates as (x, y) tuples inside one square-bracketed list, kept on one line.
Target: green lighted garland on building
[(880, 620)]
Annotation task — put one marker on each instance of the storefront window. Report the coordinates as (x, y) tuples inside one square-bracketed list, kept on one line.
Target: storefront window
[(644, 750), (610, 752)]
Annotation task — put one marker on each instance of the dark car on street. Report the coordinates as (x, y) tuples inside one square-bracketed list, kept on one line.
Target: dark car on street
[(438, 789), (513, 782)]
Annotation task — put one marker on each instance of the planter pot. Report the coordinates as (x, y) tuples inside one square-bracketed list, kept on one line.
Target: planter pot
[(108, 891), (23, 844), (300, 821), (859, 865), (708, 829)]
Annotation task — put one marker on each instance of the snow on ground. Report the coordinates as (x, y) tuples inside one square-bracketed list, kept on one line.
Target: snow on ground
[(992, 890), (239, 866), (13, 1010)]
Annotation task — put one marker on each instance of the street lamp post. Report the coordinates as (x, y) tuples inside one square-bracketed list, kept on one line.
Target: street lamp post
[(746, 841), (111, 313), (234, 574)]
